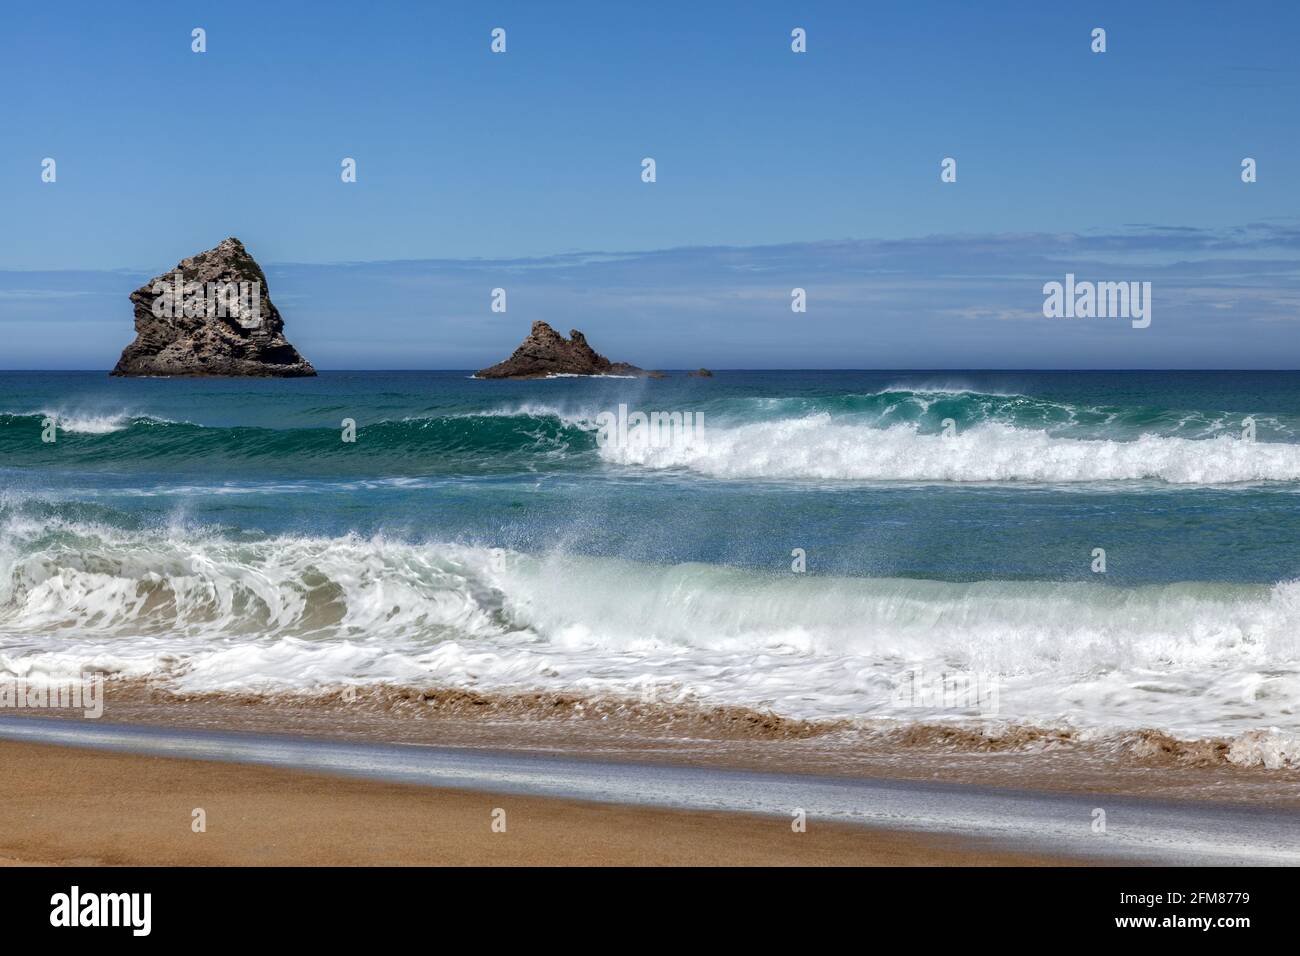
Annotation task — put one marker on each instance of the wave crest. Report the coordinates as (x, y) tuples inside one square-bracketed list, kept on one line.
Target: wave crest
[(817, 447), (210, 613)]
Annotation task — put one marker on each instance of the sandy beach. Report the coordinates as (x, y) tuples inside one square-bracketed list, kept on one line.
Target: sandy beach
[(69, 806), (300, 782), (1140, 764)]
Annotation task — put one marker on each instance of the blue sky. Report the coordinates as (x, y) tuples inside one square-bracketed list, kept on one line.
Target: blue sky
[(774, 170)]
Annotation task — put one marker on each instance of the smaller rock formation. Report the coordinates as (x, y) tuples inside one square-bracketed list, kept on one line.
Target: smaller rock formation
[(701, 373), (210, 315), (545, 352)]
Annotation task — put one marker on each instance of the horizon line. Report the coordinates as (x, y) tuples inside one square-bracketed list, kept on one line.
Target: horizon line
[(895, 371)]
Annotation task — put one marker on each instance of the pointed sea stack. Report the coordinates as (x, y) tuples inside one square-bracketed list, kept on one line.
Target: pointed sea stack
[(211, 315), (546, 352)]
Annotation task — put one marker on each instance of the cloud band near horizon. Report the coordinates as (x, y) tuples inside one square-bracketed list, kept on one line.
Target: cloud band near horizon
[(1222, 298)]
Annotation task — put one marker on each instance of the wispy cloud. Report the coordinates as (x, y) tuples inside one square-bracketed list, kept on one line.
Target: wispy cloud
[(1224, 297)]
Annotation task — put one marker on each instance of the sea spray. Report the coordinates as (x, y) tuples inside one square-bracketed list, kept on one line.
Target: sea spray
[(206, 613)]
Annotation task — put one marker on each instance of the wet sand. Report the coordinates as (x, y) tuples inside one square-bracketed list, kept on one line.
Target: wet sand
[(921, 796), (1006, 819), (71, 806), (1142, 764)]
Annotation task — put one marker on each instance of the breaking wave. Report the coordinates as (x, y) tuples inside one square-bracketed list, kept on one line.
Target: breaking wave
[(894, 435), (819, 447), (209, 613)]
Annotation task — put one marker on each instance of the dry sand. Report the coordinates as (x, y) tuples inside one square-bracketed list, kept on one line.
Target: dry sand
[(68, 806)]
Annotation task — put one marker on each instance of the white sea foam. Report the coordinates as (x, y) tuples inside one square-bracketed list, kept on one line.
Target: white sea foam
[(818, 447), (576, 375), (576, 417), (95, 423), (80, 424), (295, 613)]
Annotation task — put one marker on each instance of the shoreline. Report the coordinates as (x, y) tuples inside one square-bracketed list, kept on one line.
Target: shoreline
[(990, 822), (622, 730), (71, 806)]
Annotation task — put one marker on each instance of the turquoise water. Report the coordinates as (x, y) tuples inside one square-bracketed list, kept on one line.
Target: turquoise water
[(481, 533)]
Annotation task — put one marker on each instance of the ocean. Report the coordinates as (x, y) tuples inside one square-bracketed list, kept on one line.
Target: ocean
[(1097, 551)]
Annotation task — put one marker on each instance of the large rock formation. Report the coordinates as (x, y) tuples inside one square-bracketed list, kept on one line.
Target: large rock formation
[(546, 352), (211, 315)]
